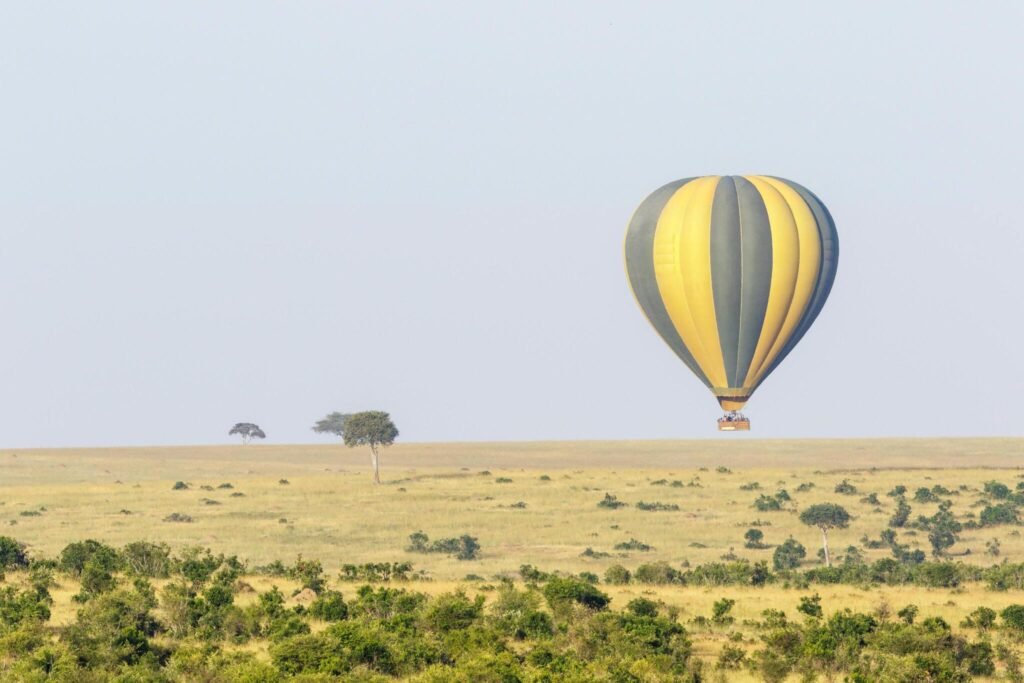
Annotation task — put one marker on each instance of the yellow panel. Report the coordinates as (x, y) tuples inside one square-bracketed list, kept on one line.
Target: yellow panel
[(785, 266), (809, 263), (682, 267)]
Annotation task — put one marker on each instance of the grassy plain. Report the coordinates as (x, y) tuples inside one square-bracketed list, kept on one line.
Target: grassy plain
[(330, 510)]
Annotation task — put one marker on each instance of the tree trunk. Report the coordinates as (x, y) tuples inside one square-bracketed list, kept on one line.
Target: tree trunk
[(824, 538), (376, 465)]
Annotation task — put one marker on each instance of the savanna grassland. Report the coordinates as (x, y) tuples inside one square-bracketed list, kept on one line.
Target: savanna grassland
[(537, 504)]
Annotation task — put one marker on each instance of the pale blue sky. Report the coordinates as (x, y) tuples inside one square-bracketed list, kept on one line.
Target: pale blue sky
[(214, 212)]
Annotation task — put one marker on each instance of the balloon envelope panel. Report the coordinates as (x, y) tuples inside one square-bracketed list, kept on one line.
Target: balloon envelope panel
[(731, 271)]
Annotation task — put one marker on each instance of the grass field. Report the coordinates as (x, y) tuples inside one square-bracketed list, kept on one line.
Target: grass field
[(330, 510)]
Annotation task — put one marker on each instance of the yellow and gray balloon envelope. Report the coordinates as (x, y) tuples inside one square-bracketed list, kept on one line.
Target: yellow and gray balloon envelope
[(732, 271)]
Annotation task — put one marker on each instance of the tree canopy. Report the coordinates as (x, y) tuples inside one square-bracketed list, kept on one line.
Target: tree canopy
[(248, 431), (333, 423), (826, 516)]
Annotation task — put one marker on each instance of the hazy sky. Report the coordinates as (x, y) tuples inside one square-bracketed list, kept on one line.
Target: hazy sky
[(265, 211)]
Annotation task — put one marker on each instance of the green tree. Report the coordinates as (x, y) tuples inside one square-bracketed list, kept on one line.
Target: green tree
[(943, 531), (754, 538), (826, 516), (789, 554), (248, 431), (333, 423), (372, 428)]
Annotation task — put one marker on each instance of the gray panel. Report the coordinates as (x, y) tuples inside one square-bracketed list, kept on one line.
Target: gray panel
[(826, 275), (640, 269), (756, 256), (727, 272)]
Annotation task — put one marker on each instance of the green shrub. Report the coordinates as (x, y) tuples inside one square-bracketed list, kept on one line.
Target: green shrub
[(610, 502), (617, 575), (517, 613), (657, 573), (1013, 619), (12, 554), (753, 538), (810, 606), (657, 507), (720, 611), (75, 556), (147, 559), (1001, 513), (997, 489), (95, 579), (309, 573), (453, 612), (846, 488), (642, 607), (789, 554), (633, 544), (982, 618), (180, 486), (560, 591), (730, 657), (902, 514)]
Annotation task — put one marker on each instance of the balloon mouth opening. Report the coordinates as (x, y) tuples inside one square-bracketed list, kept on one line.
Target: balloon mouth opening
[(732, 403)]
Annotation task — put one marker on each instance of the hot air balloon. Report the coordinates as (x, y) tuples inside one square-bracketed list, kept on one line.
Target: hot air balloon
[(731, 271)]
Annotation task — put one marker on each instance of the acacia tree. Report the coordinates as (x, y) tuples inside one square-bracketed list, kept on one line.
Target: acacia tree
[(248, 431), (333, 423), (372, 428), (826, 516)]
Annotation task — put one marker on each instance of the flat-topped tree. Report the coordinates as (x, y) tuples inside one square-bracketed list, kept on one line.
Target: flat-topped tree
[(826, 516), (372, 428), (248, 431)]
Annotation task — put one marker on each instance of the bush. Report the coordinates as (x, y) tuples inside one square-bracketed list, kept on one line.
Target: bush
[(657, 507), (789, 554), (1013, 619), (610, 502), (464, 547), (12, 554), (656, 573), (846, 488), (1001, 513), (147, 559), (180, 486), (561, 591), (767, 503), (925, 495), (453, 612), (75, 556), (617, 575), (309, 574), (720, 611), (753, 539), (178, 517), (633, 544), (997, 490), (902, 514), (642, 607), (982, 618)]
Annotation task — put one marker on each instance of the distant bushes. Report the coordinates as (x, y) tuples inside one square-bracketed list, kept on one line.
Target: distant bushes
[(657, 507), (464, 547), (633, 544), (610, 502)]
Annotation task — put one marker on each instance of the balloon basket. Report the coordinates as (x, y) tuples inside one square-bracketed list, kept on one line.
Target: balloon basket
[(733, 422)]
